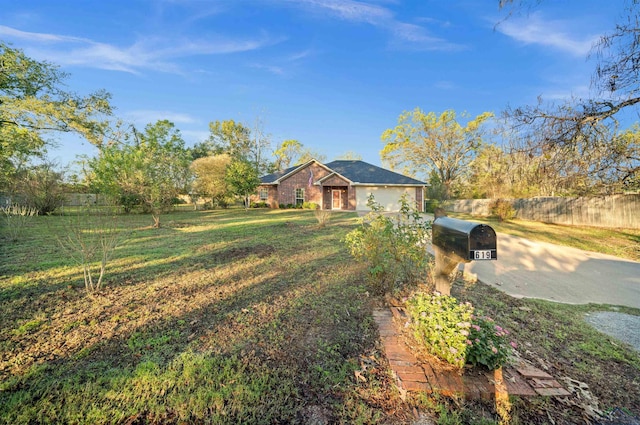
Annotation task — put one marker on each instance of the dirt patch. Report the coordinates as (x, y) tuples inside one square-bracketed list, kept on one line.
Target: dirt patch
[(240, 253), (555, 338)]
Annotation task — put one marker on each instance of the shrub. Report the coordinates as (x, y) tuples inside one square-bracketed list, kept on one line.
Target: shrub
[(41, 188), (442, 325), (129, 201), (282, 206), (449, 330), (310, 205), (260, 204), (392, 246), (502, 209), (430, 205), (90, 238), (489, 344)]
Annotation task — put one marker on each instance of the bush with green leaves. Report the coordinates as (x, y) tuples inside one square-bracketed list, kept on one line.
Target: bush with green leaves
[(502, 209), (441, 324), (393, 246), (449, 330), (489, 343)]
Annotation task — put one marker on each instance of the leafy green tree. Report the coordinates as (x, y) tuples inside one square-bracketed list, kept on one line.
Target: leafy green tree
[(32, 102), (152, 166), (240, 142), (350, 155), (230, 137), (287, 154), (488, 175), (242, 178), (40, 187), (422, 143), (210, 172), (627, 145)]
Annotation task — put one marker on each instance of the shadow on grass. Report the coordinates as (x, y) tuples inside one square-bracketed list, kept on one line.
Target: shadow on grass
[(253, 327), (259, 354)]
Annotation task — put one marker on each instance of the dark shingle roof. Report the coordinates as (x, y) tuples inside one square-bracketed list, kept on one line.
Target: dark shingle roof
[(365, 173), (355, 171), (271, 178)]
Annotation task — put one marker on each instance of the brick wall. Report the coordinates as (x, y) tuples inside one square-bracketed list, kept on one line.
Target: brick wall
[(287, 188), (335, 181)]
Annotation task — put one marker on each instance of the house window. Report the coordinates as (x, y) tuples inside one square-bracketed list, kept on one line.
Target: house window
[(299, 196), (264, 194)]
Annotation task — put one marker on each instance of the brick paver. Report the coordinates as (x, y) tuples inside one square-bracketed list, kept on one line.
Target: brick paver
[(411, 375)]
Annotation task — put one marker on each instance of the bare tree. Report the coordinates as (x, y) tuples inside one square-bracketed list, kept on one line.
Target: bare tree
[(588, 129)]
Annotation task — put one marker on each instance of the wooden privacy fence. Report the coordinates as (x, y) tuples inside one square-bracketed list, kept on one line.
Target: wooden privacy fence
[(621, 211)]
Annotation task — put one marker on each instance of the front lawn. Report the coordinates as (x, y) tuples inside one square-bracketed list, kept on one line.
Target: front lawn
[(236, 316), (222, 317)]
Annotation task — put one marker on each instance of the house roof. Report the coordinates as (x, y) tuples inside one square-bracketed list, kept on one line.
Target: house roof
[(274, 177), (357, 172), (360, 172)]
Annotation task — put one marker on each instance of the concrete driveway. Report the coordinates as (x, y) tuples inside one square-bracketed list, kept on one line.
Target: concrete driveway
[(557, 273), (529, 269)]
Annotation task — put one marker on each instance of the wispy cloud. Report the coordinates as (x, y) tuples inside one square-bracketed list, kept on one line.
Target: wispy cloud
[(412, 35), (557, 34), (195, 136), (273, 69), (143, 117), (154, 53), (445, 85), (285, 66)]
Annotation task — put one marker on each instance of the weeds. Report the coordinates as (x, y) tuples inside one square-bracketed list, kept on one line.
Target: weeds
[(16, 219), (323, 216)]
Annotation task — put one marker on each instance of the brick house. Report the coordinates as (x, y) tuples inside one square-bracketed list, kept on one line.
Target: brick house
[(338, 185)]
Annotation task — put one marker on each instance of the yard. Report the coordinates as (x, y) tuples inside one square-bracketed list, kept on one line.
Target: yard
[(238, 316)]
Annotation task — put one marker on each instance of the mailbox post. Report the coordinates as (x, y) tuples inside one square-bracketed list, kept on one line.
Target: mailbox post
[(458, 241)]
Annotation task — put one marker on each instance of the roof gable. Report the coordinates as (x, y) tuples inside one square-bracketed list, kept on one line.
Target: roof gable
[(354, 171), (273, 178), (360, 172)]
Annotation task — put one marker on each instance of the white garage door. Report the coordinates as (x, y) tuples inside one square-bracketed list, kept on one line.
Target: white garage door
[(388, 197)]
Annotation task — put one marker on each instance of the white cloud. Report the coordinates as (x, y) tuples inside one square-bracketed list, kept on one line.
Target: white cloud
[(154, 53), (557, 34), (195, 136), (37, 37), (143, 117), (445, 85), (410, 34), (352, 10), (273, 69)]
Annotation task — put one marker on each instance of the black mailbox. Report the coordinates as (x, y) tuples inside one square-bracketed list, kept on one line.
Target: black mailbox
[(467, 240)]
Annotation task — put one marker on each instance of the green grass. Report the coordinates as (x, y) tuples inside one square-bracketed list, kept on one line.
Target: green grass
[(232, 317), (219, 316), (624, 243)]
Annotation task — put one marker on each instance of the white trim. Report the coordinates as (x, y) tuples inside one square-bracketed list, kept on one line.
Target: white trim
[(339, 198), (299, 168)]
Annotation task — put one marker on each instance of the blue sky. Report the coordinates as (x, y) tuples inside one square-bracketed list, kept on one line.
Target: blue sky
[(333, 74)]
